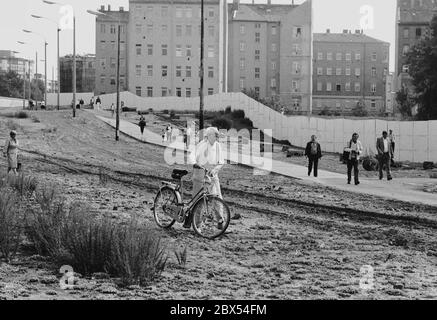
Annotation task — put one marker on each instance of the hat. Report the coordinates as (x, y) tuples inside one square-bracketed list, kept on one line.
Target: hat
[(13, 132)]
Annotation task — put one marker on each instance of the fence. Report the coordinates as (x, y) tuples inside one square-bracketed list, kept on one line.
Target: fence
[(6, 102)]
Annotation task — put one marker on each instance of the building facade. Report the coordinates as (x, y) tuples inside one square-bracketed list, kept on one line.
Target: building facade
[(9, 62), (413, 19), (270, 52), (85, 73), (164, 47), (349, 69), (106, 50)]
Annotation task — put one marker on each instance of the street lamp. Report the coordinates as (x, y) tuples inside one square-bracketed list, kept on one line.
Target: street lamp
[(45, 63), (24, 79), (58, 61), (74, 56), (117, 118), (30, 84)]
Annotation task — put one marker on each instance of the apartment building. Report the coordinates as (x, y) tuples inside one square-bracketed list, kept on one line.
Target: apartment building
[(106, 50), (270, 52), (164, 47), (85, 73), (349, 68), (9, 62), (413, 19)]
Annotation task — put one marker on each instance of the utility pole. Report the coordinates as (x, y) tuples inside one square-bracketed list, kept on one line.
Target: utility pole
[(74, 67), (117, 117), (59, 76), (36, 80), (201, 95), (45, 70)]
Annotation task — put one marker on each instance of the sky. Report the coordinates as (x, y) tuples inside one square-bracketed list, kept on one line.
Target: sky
[(336, 15)]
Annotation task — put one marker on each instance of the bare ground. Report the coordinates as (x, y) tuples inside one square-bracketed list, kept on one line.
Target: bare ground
[(294, 241)]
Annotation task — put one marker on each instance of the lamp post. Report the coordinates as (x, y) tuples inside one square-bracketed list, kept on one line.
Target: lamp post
[(30, 83), (58, 58), (117, 118), (202, 71), (74, 57), (45, 63)]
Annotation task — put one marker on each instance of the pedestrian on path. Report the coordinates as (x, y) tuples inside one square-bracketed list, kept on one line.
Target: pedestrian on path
[(314, 153), (169, 132), (392, 138), (142, 124), (112, 110), (385, 153), (355, 149), (98, 103), (10, 151)]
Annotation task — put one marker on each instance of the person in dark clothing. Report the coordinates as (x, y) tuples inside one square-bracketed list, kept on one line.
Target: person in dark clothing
[(314, 153), (355, 149), (142, 124)]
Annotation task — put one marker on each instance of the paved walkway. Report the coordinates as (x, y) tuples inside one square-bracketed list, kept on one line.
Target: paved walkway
[(405, 189)]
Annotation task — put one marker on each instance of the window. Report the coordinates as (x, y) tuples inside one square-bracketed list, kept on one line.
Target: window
[(242, 83), (210, 51), (348, 86), (373, 72), (211, 31), (405, 50), (357, 87), (320, 71), (150, 10), (257, 25), (242, 63), (374, 56), (164, 49), (406, 33), (418, 32), (257, 91), (357, 56), (113, 63), (257, 37), (339, 56), (178, 30), (373, 104), (150, 49), (210, 72), (113, 29), (296, 67), (138, 70), (329, 56), (385, 72), (102, 28), (188, 30), (348, 71), (113, 45), (338, 105), (102, 79), (138, 28), (242, 29), (178, 92), (273, 65), (178, 50), (338, 71), (257, 72), (102, 44), (273, 83), (297, 32), (406, 68), (338, 87), (319, 86), (189, 13), (188, 72), (164, 71), (328, 86), (296, 49), (210, 91), (295, 86), (138, 91), (178, 71), (112, 80), (122, 46), (257, 54), (188, 92), (320, 56), (373, 88), (150, 70), (188, 51), (329, 71), (150, 28), (164, 12), (273, 30), (103, 62), (211, 12), (357, 72), (348, 57), (164, 28), (164, 91), (178, 12), (242, 46), (296, 103), (138, 46), (274, 47), (150, 91)]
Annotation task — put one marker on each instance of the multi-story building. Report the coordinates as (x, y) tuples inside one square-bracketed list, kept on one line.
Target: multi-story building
[(270, 52), (85, 73), (106, 50), (9, 62), (390, 95), (349, 68), (413, 19), (164, 47)]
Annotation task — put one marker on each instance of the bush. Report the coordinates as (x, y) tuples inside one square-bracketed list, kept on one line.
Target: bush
[(172, 114), (165, 112), (24, 185), (238, 114), (228, 110), (222, 123), (11, 224), (21, 115), (246, 122)]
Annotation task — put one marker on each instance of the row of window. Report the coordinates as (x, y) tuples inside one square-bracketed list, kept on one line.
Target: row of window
[(210, 50), (112, 45), (112, 62), (348, 56), (418, 33), (347, 87), (112, 80), (344, 104), (166, 92), (210, 30), (180, 12), (347, 72), (112, 28), (164, 71)]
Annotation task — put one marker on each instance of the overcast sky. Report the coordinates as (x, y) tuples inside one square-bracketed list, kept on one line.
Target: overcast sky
[(15, 16)]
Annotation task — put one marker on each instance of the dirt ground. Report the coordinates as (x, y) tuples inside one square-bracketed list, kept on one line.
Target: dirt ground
[(294, 241)]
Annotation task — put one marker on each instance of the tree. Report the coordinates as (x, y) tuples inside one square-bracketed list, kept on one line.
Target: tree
[(405, 102), (272, 103), (360, 110), (422, 61), (38, 90), (11, 85)]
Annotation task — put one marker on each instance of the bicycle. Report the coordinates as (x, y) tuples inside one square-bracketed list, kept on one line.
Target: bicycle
[(206, 213)]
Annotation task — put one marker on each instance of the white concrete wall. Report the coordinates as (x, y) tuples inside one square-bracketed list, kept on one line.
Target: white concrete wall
[(415, 140), (66, 98), (6, 102)]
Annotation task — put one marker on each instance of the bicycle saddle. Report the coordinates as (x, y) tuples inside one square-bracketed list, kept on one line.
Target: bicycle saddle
[(179, 174)]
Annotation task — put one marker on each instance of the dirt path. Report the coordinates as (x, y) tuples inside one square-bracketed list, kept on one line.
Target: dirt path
[(294, 241)]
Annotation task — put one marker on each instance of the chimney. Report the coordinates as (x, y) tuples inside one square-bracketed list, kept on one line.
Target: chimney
[(269, 2), (109, 7), (253, 1), (102, 8), (121, 9), (328, 31)]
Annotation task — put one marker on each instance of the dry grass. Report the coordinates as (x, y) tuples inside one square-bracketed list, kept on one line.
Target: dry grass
[(11, 224)]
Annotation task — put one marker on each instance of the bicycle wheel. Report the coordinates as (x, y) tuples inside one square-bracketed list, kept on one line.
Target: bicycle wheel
[(211, 217), (165, 208)]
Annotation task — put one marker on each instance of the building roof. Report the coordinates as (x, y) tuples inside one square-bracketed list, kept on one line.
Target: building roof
[(345, 38), (261, 12)]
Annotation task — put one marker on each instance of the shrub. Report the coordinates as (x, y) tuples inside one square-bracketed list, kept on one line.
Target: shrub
[(246, 122), (24, 185), (228, 110), (222, 123), (172, 114), (11, 224), (238, 114), (165, 112), (21, 115), (138, 255)]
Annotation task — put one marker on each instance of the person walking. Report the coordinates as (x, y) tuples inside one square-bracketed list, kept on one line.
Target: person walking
[(392, 138), (10, 151), (92, 103), (169, 131), (142, 124), (314, 153), (385, 154), (189, 134), (355, 149), (112, 110), (98, 103)]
